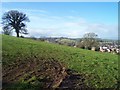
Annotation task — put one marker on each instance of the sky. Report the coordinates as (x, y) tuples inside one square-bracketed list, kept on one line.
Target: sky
[(68, 19)]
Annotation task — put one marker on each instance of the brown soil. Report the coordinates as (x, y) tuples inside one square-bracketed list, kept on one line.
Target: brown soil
[(51, 73), (73, 81)]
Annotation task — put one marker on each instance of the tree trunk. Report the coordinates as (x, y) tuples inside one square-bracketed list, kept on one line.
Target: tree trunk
[(17, 32)]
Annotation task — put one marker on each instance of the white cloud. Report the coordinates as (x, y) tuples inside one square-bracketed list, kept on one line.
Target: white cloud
[(73, 31), (76, 27)]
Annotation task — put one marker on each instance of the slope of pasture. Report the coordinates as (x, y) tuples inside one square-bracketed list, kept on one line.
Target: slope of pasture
[(100, 68)]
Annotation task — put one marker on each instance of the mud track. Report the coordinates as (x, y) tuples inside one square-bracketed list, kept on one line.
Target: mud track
[(51, 73)]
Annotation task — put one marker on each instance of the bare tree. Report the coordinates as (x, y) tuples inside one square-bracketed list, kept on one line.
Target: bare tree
[(14, 20), (89, 40), (7, 32)]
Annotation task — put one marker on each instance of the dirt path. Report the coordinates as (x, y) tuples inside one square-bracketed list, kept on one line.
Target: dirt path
[(48, 72), (73, 81), (51, 74)]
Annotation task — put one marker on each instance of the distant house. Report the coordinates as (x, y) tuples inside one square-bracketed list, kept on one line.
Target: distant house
[(101, 49), (93, 48), (118, 51), (105, 48)]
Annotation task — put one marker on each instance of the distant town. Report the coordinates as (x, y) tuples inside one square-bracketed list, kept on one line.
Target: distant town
[(105, 45)]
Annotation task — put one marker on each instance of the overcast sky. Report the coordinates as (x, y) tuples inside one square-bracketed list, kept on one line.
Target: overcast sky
[(65, 19)]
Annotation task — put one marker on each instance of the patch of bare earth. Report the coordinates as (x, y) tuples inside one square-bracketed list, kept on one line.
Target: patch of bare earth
[(43, 73), (73, 81)]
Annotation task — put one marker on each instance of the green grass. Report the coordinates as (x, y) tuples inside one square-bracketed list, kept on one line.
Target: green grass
[(101, 69)]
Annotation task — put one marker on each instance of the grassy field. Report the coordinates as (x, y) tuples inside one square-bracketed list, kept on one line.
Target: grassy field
[(101, 69)]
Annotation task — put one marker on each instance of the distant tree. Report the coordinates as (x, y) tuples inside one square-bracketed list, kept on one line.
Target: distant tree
[(7, 32), (89, 40), (32, 37), (14, 20)]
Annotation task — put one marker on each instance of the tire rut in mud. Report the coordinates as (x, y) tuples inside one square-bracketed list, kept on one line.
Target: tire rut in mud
[(47, 73), (73, 80)]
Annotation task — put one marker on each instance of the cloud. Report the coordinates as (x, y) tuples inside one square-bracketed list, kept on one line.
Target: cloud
[(75, 31), (104, 30), (74, 27)]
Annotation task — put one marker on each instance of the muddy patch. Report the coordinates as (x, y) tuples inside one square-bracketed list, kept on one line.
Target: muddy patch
[(73, 80), (44, 73), (41, 74)]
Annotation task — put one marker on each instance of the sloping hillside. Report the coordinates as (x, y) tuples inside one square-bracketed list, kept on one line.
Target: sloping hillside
[(100, 69)]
